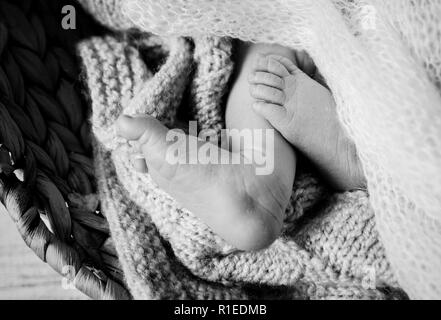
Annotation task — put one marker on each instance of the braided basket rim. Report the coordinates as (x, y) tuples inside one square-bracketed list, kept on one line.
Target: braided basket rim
[(73, 242)]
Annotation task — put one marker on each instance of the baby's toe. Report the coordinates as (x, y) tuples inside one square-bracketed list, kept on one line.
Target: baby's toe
[(267, 94), (270, 64), (149, 136), (289, 65), (267, 79)]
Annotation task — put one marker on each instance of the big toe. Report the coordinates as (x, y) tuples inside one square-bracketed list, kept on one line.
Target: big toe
[(271, 64), (149, 134), (133, 128)]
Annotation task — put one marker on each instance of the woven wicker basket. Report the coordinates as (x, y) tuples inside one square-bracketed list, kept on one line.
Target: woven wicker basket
[(45, 153)]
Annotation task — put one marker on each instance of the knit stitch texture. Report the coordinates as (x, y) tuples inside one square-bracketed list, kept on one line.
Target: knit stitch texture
[(330, 248)]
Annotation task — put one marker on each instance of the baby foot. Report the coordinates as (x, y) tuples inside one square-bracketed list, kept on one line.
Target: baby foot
[(304, 112), (243, 208)]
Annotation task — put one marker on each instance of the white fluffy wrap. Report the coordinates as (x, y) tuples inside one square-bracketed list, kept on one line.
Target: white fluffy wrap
[(382, 61)]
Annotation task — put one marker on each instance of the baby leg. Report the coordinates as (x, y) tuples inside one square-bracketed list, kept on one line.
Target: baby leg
[(240, 114), (305, 113), (244, 208)]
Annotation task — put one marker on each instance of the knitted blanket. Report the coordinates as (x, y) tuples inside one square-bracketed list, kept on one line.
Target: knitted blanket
[(382, 63)]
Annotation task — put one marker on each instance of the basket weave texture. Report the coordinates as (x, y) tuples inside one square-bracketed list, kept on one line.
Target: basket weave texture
[(46, 169)]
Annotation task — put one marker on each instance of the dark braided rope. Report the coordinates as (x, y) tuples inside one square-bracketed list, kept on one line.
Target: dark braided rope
[(45, 153)]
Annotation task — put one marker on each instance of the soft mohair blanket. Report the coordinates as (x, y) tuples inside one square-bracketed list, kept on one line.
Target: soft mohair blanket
[(382, 62)]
